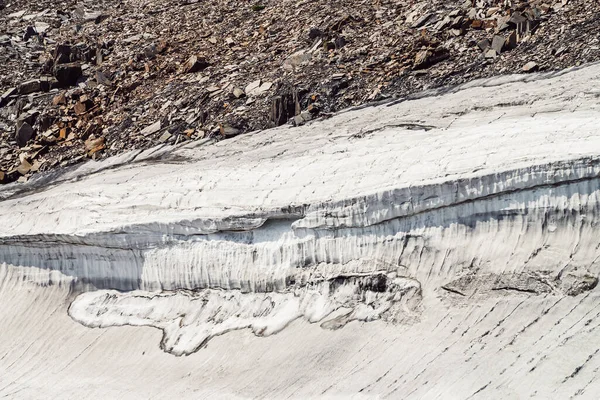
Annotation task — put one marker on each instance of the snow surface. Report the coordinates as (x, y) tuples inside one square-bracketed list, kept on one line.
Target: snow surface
[(444, 246)]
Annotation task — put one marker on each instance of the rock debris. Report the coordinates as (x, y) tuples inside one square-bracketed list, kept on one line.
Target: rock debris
[(96, 78)]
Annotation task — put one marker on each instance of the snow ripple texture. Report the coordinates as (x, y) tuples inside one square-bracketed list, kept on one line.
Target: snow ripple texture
[(464, 220)]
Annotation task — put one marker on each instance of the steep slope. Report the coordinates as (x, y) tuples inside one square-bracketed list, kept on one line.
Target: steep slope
[(442, 247)]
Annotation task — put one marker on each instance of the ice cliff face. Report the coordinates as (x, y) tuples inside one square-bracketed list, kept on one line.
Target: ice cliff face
[(451, 207)]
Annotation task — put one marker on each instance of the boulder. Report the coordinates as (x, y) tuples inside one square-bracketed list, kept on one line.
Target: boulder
[(67, 74), (23, 133)]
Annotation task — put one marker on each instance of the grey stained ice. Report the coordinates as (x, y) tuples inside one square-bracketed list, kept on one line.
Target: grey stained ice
[(444, 246)]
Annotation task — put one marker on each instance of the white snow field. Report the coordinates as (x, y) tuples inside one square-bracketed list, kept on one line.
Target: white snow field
[(441, 247)]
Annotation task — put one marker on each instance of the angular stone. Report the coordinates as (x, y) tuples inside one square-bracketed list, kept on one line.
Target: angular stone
[(150, 129), (94, 145), (561, 50), (491, 53), (516, 19), (457, 22), (263, 88), (491, 11), (28, 87), (67, 74), (484, 44), (23, 134), (252, 86), (59, 99), (519, 22), (422, 21), (41, 27), (477, 24), (80, 108), (96, 16), (511, 41), (17, 15), (237, 92), (531, 66), (30, 117), (426, 58), (498, 43), (164, 137), (228, 131), (24, 167), (47, 83), (6, 95), (194, 64), (62, 54)]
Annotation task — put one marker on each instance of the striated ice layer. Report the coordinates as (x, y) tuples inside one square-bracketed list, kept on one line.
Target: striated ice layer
[(547, 227), (460, 239)]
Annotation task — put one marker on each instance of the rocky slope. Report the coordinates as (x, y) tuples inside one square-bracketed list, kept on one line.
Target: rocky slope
[(93, 79), (440, 247)]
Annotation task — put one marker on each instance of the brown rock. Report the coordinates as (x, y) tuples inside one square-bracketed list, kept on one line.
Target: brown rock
[(93, 145), (80, 108), (477, 24), (24, 167)]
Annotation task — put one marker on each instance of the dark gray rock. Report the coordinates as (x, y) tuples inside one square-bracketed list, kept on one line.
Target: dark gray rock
[(28, 87), (62, 54), (314, 33), (48, 83), (29, 33), (511, 41), (423, 20), (23, 133), (67, 74), (5, 97), (484, 44)]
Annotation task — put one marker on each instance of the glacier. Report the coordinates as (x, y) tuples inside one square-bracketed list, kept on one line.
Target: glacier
[(439, 246)]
